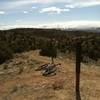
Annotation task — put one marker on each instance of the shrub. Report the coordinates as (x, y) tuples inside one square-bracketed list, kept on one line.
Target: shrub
[(49, 50), (5, 52)]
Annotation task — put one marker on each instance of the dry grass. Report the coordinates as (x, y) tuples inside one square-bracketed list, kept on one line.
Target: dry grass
[(31, 85)]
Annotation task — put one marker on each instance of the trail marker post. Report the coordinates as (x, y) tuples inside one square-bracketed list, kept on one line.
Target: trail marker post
[(78, 65)]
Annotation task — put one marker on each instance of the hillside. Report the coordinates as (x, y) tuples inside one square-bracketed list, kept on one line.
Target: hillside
[(26, 39), (31, 85)]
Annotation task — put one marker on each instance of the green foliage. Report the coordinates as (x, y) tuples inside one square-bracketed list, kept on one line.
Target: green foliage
[(5, 52), (20, 40), (49, 50)]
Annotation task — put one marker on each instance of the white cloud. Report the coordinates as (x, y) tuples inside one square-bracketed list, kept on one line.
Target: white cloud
[(46, 1), (71, 24), (2, 12), (16, 4), (51, 10), (65, 25), (69, 6), (25, 12), (12, 4), (34, 7), (93, 2), (82, 4)]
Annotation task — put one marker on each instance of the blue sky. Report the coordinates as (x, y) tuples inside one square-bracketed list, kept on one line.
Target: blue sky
[(20, 13)]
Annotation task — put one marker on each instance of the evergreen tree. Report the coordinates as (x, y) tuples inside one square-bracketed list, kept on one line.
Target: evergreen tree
[(5, 52), (49, 50)]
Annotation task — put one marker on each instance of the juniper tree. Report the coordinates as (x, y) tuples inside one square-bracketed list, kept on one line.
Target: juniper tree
[(49, 50), (5, 52)]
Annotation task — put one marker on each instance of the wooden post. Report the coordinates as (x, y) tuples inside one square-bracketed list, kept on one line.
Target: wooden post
[(78, 64)]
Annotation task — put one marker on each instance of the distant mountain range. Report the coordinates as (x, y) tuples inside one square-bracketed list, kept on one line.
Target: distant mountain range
[(90, 28), (93, 26)]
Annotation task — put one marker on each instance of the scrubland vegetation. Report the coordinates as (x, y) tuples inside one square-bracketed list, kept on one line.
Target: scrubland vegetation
[(20, 40), (20, 56)]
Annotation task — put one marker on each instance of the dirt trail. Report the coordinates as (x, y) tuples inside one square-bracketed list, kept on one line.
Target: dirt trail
[(31, 85)]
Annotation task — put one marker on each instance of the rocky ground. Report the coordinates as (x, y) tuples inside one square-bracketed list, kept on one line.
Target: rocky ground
[(20, 81)]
